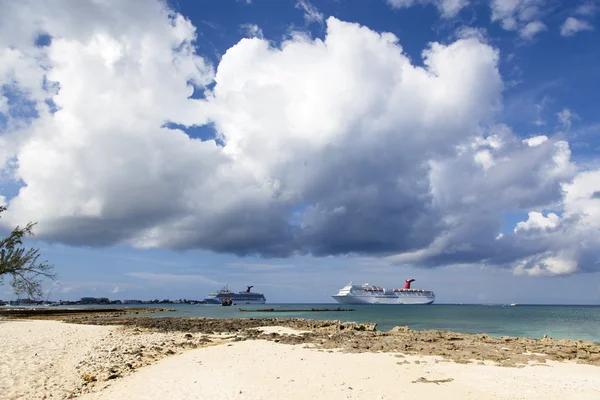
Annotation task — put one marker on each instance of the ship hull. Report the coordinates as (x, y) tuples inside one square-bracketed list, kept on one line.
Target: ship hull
[(389, 300), (219, 300)]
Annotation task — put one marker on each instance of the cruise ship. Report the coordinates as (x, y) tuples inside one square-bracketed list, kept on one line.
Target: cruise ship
[(368, 294), (246, 297)]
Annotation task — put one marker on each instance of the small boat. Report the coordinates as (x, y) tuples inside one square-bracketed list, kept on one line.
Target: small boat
[(227, 302)]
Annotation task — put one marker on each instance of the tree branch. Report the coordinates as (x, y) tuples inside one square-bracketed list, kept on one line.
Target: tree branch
[(22, 264)]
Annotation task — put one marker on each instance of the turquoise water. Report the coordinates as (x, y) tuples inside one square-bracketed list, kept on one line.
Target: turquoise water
[(574, 322)]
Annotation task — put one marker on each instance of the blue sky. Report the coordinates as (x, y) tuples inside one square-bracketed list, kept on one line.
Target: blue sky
[(121, 273), (168, 149)]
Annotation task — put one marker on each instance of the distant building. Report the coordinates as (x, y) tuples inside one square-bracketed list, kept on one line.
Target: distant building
[(26, 301), (132, 301), (94, 300)]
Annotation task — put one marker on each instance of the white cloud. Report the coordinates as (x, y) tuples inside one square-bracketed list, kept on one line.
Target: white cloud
[(546, 266), (536, 140), (539, 108), (329, 147), (531, 29), (493, 141), (448, 8), (311, 13), (485, 158), (569, 244), (253, 31), (510, 12), (317, 151), (582, 198), (537, 220), (588, 9), (471, 210), (521, 15), (467, 32), (565, 117), (573, 25)]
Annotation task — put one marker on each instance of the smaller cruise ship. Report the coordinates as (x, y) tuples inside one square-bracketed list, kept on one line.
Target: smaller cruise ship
[(245, 297), (368, 294)]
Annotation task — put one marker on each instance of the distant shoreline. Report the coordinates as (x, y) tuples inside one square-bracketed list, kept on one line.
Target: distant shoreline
[(56, 313)]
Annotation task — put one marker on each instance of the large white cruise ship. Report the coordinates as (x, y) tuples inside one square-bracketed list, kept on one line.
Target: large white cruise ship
[(367, 294), (246, 297)]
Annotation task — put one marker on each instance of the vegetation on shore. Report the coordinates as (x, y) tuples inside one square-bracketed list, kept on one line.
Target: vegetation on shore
[(21, 263)]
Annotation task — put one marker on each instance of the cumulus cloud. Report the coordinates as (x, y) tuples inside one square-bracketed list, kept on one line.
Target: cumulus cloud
[(536, 140), (573, 25), (305, 148), (570, 243), (471, 213), (448, 8), (331, 124), (537, 220)]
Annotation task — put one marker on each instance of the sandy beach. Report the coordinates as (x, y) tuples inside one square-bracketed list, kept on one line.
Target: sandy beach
[(266, 370), (57, 360)]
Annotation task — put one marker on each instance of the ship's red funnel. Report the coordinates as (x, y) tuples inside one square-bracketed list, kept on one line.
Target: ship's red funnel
[(248, 290), (408, 282)]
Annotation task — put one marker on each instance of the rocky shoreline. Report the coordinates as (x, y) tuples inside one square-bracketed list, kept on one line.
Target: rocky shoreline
[(353, 337), (359, 337), (142, 341)]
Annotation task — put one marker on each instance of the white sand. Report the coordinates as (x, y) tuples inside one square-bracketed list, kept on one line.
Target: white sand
[(267, 370), (39, 358)]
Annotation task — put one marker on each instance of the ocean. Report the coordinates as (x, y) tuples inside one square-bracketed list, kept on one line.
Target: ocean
[(535, 321), (573, 322)]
